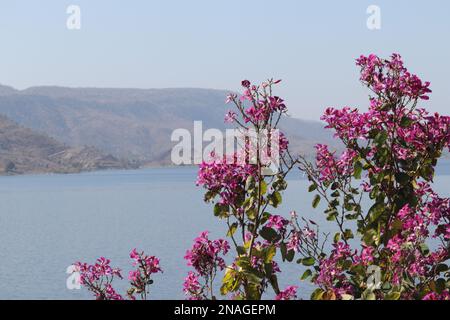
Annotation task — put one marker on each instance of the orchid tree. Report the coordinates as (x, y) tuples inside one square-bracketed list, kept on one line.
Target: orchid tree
[(246, 196), (391, 151), (98, 278)]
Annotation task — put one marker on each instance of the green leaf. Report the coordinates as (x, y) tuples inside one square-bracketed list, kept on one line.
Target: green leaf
[(274, 282), (316, 201), (283, 249), (268, 234), (337, 237), (253, 275), (250, 183), (317, 294), (424, 249), (290, 255), (279, 184), (251, 214), (358, 170), (370, 236), (249, 202), (263, 187), (270, 254), (348, 234), (232, 229), (209, 195), (442, 267), (265, 216), (230, 282), (381, 137), (308, 261), (332, 216), (402, 178), (368, 295), (268, 268), (392, 296), (275, 199), (253, 292), (376, 211), (312, 187), (427, 172), (306, 274), (440, 285), (220, 210), (406, 122), (335, 194), (241, 250)]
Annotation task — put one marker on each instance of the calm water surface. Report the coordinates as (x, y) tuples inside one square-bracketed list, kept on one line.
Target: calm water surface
[(49, 221)]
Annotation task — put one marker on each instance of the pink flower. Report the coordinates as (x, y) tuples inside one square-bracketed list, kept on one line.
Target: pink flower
[(277, 104), (133, 275), (192, 287), (230, 117), (445, 295), (205, 254), (111, 294), (231, 97), (277, 222), (98, 277), (366, 256), (290, 293), (149, 264), (225, 178), (245, 83), (329, 167)]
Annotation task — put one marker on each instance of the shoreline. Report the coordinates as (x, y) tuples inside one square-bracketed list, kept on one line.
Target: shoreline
[(156, 166), (444, 165)]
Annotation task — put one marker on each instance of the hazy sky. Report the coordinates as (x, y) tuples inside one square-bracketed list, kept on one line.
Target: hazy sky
[(311, 45)]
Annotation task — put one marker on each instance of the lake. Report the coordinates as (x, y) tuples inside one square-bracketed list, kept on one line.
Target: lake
[(47, 222)]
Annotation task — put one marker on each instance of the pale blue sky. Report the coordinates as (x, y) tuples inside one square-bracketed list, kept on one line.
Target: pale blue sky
[(311, 45)]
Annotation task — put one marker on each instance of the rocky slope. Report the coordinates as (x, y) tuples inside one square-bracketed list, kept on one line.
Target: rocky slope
[(24, 151)]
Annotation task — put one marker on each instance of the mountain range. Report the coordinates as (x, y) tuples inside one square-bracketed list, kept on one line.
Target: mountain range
[(119, 127)]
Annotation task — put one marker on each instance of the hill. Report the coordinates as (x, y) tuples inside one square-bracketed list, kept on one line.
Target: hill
[(24, 151), (133, 124)]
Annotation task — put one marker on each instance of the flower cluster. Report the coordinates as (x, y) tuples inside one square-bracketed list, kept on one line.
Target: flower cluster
[(303, 239), (348, 123), (414, 132), (98, 277), (192, 287), (445, 295), (140, 278), (263, 105), (206, 257), (245, 191), (331, 167), (397, 145), (391, 78), (331, 276), (290, 293), (225, 178), (278, 223)]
